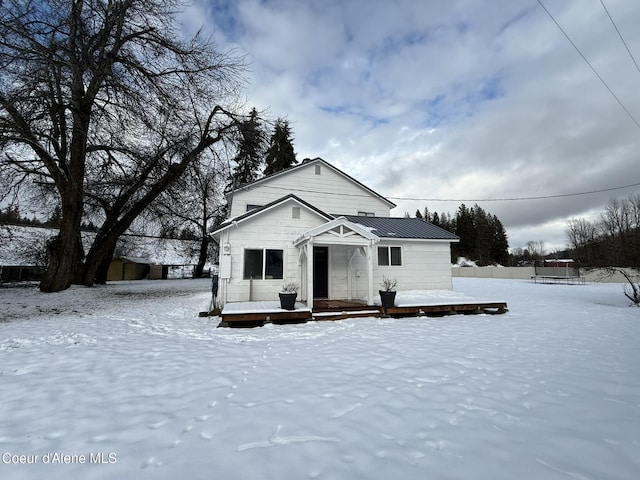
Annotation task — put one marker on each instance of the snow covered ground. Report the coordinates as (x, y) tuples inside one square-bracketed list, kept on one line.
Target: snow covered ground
[(126, 381)]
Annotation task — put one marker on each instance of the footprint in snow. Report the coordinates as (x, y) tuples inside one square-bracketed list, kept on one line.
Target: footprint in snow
[(157, 425), (151, 462)]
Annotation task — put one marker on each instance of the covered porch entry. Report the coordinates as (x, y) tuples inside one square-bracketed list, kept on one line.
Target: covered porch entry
[(335, 262)]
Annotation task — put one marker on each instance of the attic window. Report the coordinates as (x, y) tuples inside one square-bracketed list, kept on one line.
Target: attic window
[(318, 170), (295, 212)]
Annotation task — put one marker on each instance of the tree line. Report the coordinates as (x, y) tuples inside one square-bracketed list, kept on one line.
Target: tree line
[(612, 239), (108, 113), (482, 235)]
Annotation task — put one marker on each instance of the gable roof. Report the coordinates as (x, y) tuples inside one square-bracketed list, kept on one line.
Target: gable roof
[(305, 163), (257, 211), (339, 224), (393, 227)]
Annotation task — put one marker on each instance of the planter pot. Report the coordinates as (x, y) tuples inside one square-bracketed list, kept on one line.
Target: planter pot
[(288, 300), (387, 299)]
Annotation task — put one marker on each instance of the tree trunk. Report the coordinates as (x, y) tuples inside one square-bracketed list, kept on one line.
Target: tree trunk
[(103, 267), (202, 259), (65, 251), (99, 256)]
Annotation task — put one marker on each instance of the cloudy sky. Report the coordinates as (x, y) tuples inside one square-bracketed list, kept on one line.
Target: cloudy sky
[(471, 101)]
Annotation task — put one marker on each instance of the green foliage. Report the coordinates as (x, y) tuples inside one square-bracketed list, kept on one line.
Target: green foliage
[(251, 143), (482, 235), (280, 154)]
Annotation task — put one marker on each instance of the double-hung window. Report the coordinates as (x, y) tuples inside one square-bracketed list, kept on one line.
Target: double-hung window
[(389, 256), (263, 264)]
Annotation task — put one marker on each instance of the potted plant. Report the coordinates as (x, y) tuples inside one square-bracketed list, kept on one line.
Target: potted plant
[(388, 295), (288, 296)]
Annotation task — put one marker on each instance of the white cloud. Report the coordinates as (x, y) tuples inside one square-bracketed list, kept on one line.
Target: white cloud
[(452, 100)]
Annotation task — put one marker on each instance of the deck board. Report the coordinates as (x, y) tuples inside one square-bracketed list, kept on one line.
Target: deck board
[(260, 313)]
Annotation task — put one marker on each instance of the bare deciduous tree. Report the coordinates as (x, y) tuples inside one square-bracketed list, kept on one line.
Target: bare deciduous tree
[(105, 104)]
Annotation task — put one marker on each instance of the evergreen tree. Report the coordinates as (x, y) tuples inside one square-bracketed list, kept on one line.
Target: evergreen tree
[(250, 151), (280, 154), (466, 231), (419, 214), (483, 235), (500, 245)]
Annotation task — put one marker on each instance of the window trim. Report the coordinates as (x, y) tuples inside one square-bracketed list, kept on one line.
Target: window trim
[(390, 256), (263, 254)]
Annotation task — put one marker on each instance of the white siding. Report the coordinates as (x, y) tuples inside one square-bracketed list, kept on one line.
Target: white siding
[(330, 192), (425, 265), (274, 229)]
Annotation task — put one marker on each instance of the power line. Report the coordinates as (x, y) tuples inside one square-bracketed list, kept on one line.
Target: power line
[(506, 199), (620, 35), (633, 119), (515, 199)]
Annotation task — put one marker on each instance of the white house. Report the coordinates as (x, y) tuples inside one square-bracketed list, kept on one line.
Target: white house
[(316, 226)]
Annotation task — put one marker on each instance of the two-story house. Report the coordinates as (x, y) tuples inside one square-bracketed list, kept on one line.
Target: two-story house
[(316, 226)]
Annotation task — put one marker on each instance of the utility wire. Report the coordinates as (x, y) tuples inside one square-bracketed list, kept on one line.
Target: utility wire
[(633, 119), (507, 199), (620, 35), (513, 199)]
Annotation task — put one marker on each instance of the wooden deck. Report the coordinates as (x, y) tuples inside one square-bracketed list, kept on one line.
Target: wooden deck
[(253, 314)]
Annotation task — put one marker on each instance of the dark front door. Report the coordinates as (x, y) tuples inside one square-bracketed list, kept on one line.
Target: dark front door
[(320, 272)]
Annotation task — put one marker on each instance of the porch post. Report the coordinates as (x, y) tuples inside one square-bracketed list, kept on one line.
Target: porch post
[(310, 273), (370, 270)]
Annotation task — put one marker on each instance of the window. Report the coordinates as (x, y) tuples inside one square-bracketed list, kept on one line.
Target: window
[(263, 264), (362, 213), (295, 212), (252, 207), (318, 170), (389, 256)]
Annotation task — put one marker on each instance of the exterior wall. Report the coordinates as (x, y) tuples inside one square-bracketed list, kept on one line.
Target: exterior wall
[(305, 184), (274, 229), (425, 265), (119, 270)]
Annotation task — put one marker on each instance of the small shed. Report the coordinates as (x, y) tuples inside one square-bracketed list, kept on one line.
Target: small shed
[(129, 268)]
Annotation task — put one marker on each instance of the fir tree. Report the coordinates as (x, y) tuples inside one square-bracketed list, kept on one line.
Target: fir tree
[(500, 244), (280, 154), (250, 151), (466, 231)]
